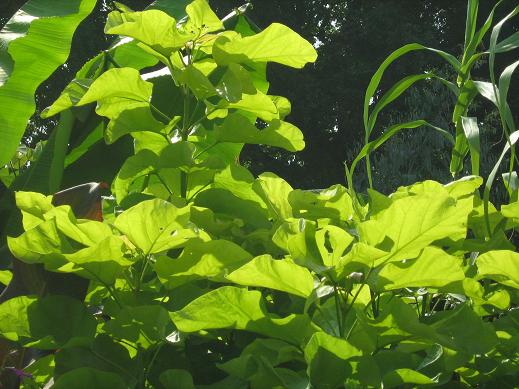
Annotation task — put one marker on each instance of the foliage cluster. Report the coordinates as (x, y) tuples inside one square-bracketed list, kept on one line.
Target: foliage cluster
[(197, 274)]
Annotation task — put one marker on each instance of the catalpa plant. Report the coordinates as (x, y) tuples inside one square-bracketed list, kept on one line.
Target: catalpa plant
[(195, 273)]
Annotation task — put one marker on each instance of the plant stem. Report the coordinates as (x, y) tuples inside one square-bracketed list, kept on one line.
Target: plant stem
[(152, 361), (338, 310)]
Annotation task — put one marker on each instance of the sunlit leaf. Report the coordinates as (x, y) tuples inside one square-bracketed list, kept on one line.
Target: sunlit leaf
[(275, 274), (212, 260), (156, 225), (277, 43), (230, 307)]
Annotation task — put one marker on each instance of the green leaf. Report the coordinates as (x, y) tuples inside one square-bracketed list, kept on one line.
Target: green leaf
[(120, 84), (297, 237), (35, 244), (471, 23), (508, 44), (274, 351), (400, 377), (377, 77), (102, 262), (5, 277), (86, 232), (266, 272), (330, 360), (33, 206), (514, 136), (49, 323), (433, 268), (70, 96), (501, 266), (141, 164), (471, 129), (155, 226), (238, 129), (274, 192), (332, 242), (124, 54), (230, 307), (202, 17), (197, 82), (392, 94), (48, 26), (457, 330), (504, 82), (334, 203), (211, 260), (464, 186), (87, 378), (411, 223), (175, 378), (277, 43), (143, 326), (105, 354), (257, 361), (155, 28), (257, 104)]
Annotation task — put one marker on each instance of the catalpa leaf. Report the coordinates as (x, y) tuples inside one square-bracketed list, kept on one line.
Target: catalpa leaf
[(433, 268), (177, 378), (330, 360), (230, 307), (141, 164), (156, 225), (400, 377), (154, 28), (275, 274), (332, 242), (86, 378), (48, 323), (34, 245), (33, 206), (102, 262), (334, 203), (411, 223), (257, 104), (211, 260), (274, 192), (238, 129), (202, 18), (124, 97), (501, 266), (86, 232), (95, 356), (277, 43), (119, 84), (143, 325), (457, 329)]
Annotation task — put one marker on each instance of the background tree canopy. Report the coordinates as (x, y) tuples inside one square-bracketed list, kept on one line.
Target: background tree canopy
[(352, 38)]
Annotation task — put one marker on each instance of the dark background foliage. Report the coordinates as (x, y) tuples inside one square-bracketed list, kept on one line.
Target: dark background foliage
[(353, 37)]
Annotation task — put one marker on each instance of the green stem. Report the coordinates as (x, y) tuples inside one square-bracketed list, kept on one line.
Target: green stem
[(204, 150), (152, 361), (159, 112), (143, 271), (374, 306), (163, 183), (338, 310)]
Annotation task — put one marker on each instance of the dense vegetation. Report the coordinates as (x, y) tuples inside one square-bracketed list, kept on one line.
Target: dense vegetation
[(196, 273)]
